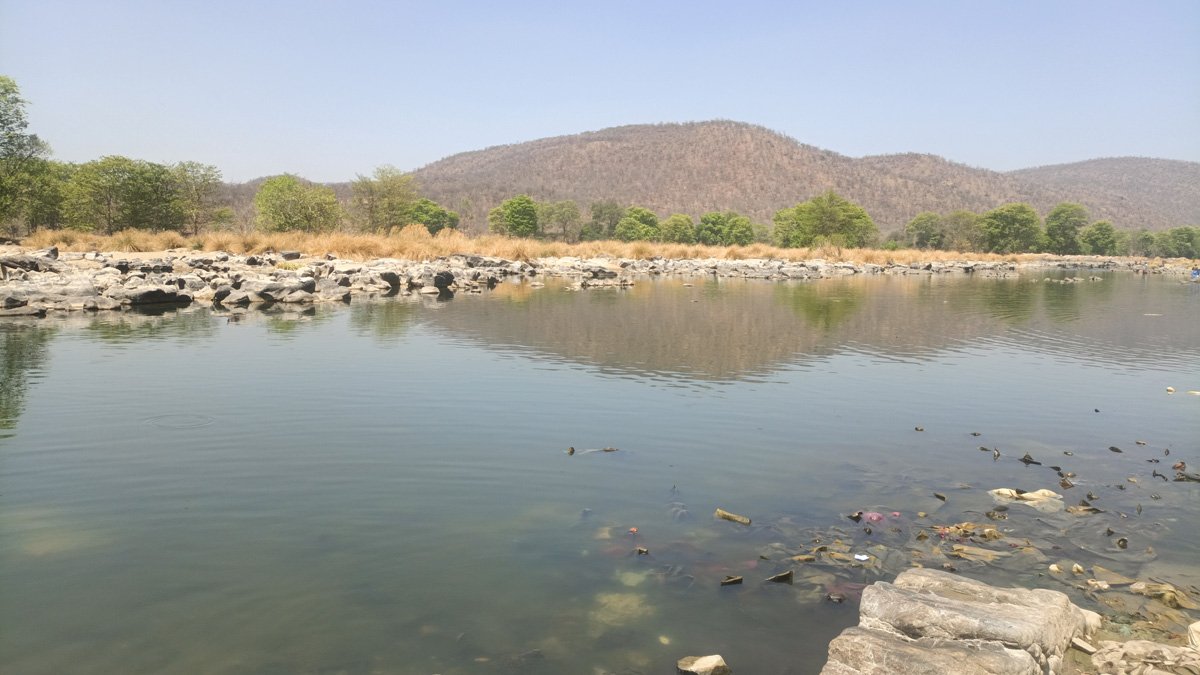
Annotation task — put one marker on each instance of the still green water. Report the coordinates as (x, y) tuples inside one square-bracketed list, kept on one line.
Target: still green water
[(383, 488)]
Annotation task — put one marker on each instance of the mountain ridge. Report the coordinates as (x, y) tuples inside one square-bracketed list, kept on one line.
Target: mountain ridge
[(719, 165)]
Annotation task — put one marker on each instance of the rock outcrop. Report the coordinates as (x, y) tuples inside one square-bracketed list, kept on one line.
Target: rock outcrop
[(929, 621)]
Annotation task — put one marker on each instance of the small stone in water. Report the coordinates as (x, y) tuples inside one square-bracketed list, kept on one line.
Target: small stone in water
[(1113, 448), (918, 428), (664, 640), (1068, 453), (1122, 543), (836, 598), (940, 496)]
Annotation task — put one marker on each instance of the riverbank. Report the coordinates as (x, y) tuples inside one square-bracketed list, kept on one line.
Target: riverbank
[(37, 282)]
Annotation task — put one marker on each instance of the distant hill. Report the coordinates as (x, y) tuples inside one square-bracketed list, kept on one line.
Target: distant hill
[(1140, 184), (697, 167), (705, 166)]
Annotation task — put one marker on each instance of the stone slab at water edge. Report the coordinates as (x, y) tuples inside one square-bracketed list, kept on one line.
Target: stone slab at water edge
[(930, 622)]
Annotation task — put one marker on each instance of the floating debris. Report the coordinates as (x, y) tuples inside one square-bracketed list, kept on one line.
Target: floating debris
[(733, 517), (782, 577), (918, 428), (1166, 593), (940, 496), (1046, 501), (976, 433), (836, 598), (1028, 459), (1113, 448), (1066, 483), (1068, 453), (731, 581), (642, 551), (1140, 442)]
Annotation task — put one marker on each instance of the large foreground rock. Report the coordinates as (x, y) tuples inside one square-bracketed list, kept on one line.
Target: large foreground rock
[(929, 621), (858, 651)]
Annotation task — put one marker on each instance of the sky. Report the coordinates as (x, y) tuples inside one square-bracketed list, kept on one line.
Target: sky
[(329, 90)]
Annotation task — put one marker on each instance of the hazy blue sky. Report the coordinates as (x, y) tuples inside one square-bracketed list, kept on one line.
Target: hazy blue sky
[(331, 89)]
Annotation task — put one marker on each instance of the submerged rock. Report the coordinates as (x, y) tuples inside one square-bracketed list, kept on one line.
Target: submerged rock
[(702, 665)]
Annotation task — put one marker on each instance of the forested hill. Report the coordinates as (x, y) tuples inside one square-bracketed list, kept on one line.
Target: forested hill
[(711, 166), (1166, 186)]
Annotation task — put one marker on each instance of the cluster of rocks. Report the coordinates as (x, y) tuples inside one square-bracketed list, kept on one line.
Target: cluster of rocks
[(38, 282), (930, 621)]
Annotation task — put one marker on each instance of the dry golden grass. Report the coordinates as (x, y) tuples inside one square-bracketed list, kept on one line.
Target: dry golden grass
[(415, 243)]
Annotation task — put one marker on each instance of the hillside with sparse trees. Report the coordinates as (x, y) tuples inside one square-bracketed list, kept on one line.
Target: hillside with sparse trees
[(701, 167)]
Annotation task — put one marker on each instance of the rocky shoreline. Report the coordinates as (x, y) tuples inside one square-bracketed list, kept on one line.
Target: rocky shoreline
[(42, 282)]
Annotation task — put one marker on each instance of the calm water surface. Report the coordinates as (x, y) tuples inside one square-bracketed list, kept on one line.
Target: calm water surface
[(383, 488)]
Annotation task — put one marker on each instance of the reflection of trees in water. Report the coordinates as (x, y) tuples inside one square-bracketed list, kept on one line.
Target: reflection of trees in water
[(134, 326), (23, 350), (288, 321), (385, 320), (730, 329), (1010, 300), (826, 304)]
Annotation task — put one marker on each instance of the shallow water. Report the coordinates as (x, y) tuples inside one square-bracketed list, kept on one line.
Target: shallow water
[(383, 487)]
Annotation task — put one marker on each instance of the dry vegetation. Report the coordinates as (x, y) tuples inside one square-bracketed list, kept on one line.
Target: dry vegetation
[(415, 243)]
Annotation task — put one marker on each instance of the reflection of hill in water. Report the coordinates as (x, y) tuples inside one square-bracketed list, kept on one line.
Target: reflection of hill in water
[(732, 329)]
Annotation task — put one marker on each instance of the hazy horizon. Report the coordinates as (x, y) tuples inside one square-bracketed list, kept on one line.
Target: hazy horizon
[(330, 91)]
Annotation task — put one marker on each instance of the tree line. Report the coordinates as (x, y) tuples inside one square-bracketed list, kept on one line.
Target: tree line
[(114, 193), (1067, 230)]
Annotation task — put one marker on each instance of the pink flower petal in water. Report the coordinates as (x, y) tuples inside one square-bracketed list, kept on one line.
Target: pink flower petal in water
[(873, 516)]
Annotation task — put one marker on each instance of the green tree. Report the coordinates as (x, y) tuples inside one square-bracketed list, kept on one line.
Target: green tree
[(1099, 238), (19, 150), (1177, 242), (605, 216), (1011, 228), (383, 200), (826, 217), (963, 231), (678, 229), (724, 229), (1062, 228), (560, 220), (197, 187), (516, 217), (1141, 242), (42, 203), (285, 203), (113, 193), (926, 231), (432, 215), (638, 224)]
